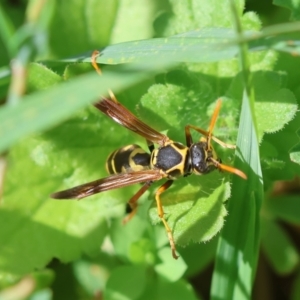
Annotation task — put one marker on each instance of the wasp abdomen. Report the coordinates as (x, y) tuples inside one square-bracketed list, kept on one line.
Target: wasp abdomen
[(126, 159)]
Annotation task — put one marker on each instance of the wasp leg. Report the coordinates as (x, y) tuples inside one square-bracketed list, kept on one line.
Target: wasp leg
[(133, 201), (208, 133), (160, 211), (189, 140), (94, 56), (188, 136)]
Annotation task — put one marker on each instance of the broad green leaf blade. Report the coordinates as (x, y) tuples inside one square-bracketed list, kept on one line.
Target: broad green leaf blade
[(214, 44), (44, 109), (278, 248), (239, 242)]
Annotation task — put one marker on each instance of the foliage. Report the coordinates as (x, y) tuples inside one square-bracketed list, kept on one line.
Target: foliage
[(52, 138)]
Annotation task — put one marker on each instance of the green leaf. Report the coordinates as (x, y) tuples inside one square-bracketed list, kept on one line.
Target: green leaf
[(41, 78), (198, 256), (283, 145), (6, 31), (81, 25), (238, 246), (194, 209), (125, 283), (183, 47), (293, 6), (295, 152), (140, 14), (91, 276), (181, 95), (160, 288), (131, 241), (279, 248), (286, 208), (37, 227), (167, 269), (275, 105), (199, 14)]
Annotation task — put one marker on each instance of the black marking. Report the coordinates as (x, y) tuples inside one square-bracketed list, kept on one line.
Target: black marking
[(187, 164), (110, 162), (141, 159), (168, 157), (121, 160)]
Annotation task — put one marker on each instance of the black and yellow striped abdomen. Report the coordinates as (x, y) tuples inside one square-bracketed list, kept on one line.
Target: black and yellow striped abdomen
[(126, 159)]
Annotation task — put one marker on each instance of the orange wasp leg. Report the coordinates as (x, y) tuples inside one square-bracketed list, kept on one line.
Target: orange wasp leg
[(208, 133), (133, 201), (94, 56), (160, 211), (205, 133)]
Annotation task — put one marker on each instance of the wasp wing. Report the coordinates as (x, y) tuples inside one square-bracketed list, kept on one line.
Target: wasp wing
[(108, 183), (123, 116)]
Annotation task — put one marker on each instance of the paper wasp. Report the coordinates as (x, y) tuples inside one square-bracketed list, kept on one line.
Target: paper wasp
[(131, 164)]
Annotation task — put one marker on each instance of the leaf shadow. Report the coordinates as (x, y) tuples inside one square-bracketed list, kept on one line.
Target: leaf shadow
[(27, 244)]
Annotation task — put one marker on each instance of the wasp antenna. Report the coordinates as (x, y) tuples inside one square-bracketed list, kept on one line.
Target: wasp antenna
[(215, 116), (233, 171), (95, 54), (213, 121), (229, 169)]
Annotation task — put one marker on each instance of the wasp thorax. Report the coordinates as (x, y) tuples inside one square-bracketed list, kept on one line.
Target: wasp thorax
[(201, 158)]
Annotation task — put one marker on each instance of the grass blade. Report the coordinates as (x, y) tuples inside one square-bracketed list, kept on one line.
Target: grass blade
[(42, 110)]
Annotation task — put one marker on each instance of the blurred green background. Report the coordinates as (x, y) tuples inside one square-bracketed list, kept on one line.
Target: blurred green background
[(236, 239)]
